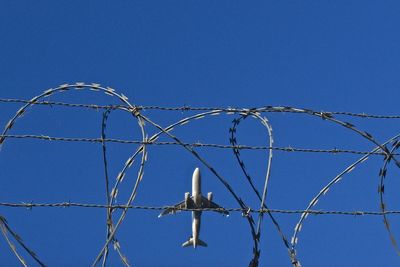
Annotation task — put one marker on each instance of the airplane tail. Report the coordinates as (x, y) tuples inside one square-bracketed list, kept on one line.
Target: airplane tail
[(190, 243)]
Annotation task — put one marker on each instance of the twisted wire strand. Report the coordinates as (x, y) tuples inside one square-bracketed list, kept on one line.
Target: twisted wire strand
[(188, 108), (29, 206), (197, 144)]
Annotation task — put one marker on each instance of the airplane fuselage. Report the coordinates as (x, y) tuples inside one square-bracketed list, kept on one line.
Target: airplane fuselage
[(197, 198)]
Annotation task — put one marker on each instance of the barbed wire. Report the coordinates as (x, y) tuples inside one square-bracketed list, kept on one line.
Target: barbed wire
[(196, 144), (160, 208), (188, 108), (113, 222)]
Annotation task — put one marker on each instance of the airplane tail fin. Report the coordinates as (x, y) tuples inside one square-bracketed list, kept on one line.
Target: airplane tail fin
[(202, 243), (190, 243)]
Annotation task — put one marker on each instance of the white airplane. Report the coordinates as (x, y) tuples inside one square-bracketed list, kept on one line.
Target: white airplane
[(193, 202)]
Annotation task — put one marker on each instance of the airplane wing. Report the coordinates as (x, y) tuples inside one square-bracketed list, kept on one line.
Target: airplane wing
[(177, 208), (209, 204)]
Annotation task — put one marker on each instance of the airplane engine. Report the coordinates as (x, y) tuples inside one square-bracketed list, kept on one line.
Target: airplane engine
[(187, 198), (209, 196)]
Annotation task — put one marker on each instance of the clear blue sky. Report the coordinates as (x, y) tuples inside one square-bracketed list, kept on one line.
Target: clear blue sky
[(322, 55)]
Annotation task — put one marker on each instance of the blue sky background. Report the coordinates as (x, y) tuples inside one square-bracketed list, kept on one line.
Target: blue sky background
[(322, 55)]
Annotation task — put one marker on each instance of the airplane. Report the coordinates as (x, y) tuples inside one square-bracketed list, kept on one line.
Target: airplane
[(193, 202)]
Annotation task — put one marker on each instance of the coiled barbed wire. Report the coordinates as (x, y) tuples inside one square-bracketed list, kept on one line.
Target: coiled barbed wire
[(141, 151)]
